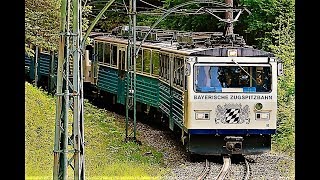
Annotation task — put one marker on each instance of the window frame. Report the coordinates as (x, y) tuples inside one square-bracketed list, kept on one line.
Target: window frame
[(233, 65)]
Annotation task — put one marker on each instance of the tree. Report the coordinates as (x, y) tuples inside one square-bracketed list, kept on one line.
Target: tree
[(263, 20), (42, 23), (284, 48)]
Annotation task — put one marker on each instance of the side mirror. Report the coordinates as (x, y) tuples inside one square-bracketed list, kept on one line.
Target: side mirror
[(280, 69)]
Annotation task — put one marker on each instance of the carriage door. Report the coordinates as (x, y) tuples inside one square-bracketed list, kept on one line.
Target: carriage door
[(121, 66)]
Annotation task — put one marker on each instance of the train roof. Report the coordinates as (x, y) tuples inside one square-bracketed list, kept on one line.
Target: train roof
[(161, 46), (186, 43)]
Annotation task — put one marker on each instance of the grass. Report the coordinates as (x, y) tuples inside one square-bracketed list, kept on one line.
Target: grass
[(284, 140), (107, 156), (39, 132)]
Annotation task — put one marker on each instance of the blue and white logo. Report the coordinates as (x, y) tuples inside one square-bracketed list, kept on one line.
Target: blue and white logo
[(232, 114)]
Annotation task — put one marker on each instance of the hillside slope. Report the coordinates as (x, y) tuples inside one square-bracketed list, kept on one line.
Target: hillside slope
[(107, 156)]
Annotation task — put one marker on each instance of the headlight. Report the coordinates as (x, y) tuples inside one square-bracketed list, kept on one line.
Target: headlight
[(262, 116), (258, 106), (202, 115), (232, 52)]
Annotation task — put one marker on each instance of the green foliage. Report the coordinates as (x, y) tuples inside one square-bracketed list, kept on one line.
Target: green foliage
[(86, 12), (146, 20), (183, 22), (29, 52), (42, 23), (111, 18), (284, 48), (259, 25), (106, 153)]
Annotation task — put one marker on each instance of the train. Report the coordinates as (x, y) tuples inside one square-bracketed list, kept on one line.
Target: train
[(219, 93)]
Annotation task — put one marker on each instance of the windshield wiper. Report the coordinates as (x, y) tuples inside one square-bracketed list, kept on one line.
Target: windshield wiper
[(244, 70)]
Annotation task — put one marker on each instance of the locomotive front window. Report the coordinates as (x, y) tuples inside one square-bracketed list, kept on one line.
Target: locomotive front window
[(233, 79)]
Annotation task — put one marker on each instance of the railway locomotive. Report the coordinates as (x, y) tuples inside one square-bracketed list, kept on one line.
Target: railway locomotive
[(217, 92)]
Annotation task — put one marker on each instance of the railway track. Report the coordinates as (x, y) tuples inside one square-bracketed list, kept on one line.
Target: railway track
[(225, 168), (205, 171), (222, 175), (247, 176)]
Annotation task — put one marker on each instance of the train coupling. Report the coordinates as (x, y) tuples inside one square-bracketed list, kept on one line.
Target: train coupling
[(233, 143)]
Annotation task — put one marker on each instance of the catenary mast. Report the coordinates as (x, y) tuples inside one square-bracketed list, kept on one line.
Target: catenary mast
[(69, 129)]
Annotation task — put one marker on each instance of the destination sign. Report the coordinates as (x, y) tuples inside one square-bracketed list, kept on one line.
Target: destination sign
[(233, 97)]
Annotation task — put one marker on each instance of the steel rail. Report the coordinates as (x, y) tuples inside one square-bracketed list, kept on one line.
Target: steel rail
[(205, 171), (247, 176), (225, 168)]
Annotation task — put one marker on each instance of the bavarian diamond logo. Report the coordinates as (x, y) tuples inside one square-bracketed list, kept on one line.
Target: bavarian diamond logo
[(232, 116)]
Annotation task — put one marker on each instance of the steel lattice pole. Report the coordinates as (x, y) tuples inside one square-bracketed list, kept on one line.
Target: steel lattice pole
[(129, 70), (59, 103), (134, 23), (69, 52), (77, 89)]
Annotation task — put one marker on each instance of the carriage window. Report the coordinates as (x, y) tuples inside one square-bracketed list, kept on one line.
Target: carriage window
[(161, 66), (181, 72), (114, 55), (178, 71), (233, 79), (166, 70), (175, 71), (146, 61), (155, 63), (107, 53), (139, 62), (100, 51), (164, 66), (122, 61)]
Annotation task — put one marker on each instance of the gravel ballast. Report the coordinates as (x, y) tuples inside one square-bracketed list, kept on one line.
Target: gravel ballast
[(268, 166)]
